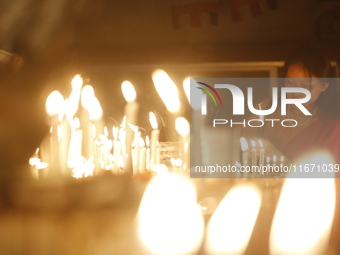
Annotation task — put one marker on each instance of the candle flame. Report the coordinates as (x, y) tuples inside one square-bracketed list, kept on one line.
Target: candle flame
[(182, 126), (268, 159), (232, 223), (305, 211), (153, 120), (129, 91), (282, 158), (133, 127), (106, 132), (237, 164), (169, 220), (95, 109), (167, 90), (77, 82), (253, 143), (76, 123), (87, 94), (260, 143), (54, 103), (244, 144)]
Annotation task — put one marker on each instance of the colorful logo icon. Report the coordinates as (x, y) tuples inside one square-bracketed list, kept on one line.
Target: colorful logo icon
[(209, 93)]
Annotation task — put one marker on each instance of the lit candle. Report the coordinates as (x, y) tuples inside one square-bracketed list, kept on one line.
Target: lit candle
[(154, 137), (135, 149), (131, 111), (182, 127), (168, 92), (54, 104), (230, 228), (261, 152), (148, 156), (65, 139), (169, 220), (88, 146), (253, 153), (116, 148), (245, 152), (142, 156), (303, 218)]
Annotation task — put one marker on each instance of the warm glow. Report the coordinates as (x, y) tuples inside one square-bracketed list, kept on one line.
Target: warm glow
[(232, 223), (305, 212), (34, 161), (182, 126), (95, 109), (167, 90), (129, 91), (244, 144), (54, 103), (160, 169), (186, 87), (133, 127), (81, 167), (169, 220), (153, 120), (76, 123), (176, 162), (147, 141), (87, 94), (77, 82), (141, 142)]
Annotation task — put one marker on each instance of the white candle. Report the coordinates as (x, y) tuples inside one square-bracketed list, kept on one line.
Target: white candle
[(88, 145), (261, 152), (148, 156), (154, 137), (54, 104), (253, 153), (142, 156), (245, 152), (116, 148), (131, 111), (183, 129), (135, 149), (64, 145)]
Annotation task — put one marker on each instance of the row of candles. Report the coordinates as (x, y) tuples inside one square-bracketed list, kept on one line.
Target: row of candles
[(83, 147), (170, 222)]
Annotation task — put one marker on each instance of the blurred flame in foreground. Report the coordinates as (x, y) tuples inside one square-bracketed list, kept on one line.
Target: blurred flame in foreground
[(232, 223), (169, 220), (304, 215)]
